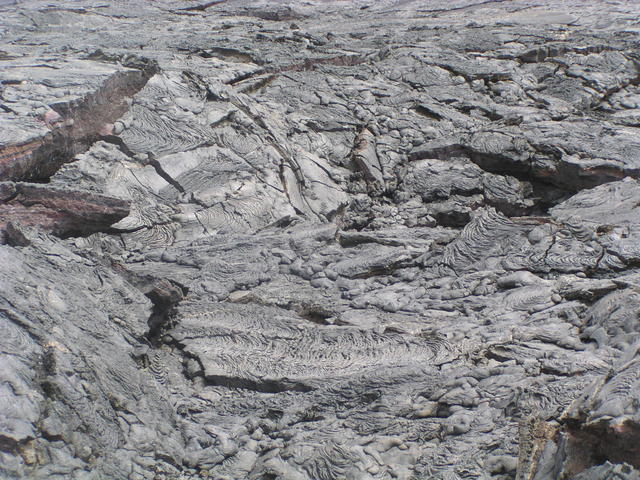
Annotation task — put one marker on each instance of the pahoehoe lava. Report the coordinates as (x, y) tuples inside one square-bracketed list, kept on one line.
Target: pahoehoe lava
[(321, 240)]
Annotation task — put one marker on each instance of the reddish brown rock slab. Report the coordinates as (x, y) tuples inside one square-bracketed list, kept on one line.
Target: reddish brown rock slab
[(60, 212)]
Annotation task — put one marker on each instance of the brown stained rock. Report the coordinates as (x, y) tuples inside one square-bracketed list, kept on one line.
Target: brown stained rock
[(57, 211), (16, 157), (592, 444)]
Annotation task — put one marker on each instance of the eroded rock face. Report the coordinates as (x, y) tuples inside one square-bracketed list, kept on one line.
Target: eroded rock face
[(337, 239), (61, 212)]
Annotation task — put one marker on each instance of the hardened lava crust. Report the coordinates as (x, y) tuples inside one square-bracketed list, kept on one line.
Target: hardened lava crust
[(320, 240)]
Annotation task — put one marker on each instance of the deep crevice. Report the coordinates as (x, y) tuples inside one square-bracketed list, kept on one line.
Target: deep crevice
[(79, 125)]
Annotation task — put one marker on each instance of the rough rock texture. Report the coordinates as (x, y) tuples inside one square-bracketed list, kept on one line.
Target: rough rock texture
[(324, 240)]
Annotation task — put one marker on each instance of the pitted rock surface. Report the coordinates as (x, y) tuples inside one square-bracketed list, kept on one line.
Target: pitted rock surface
[(323, 240)]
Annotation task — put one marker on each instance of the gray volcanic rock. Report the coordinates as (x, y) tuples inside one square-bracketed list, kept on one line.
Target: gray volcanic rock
[(55, 107), (335, 239)]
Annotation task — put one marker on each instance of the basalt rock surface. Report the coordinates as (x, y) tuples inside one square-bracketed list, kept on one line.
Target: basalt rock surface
[(324, 240)]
